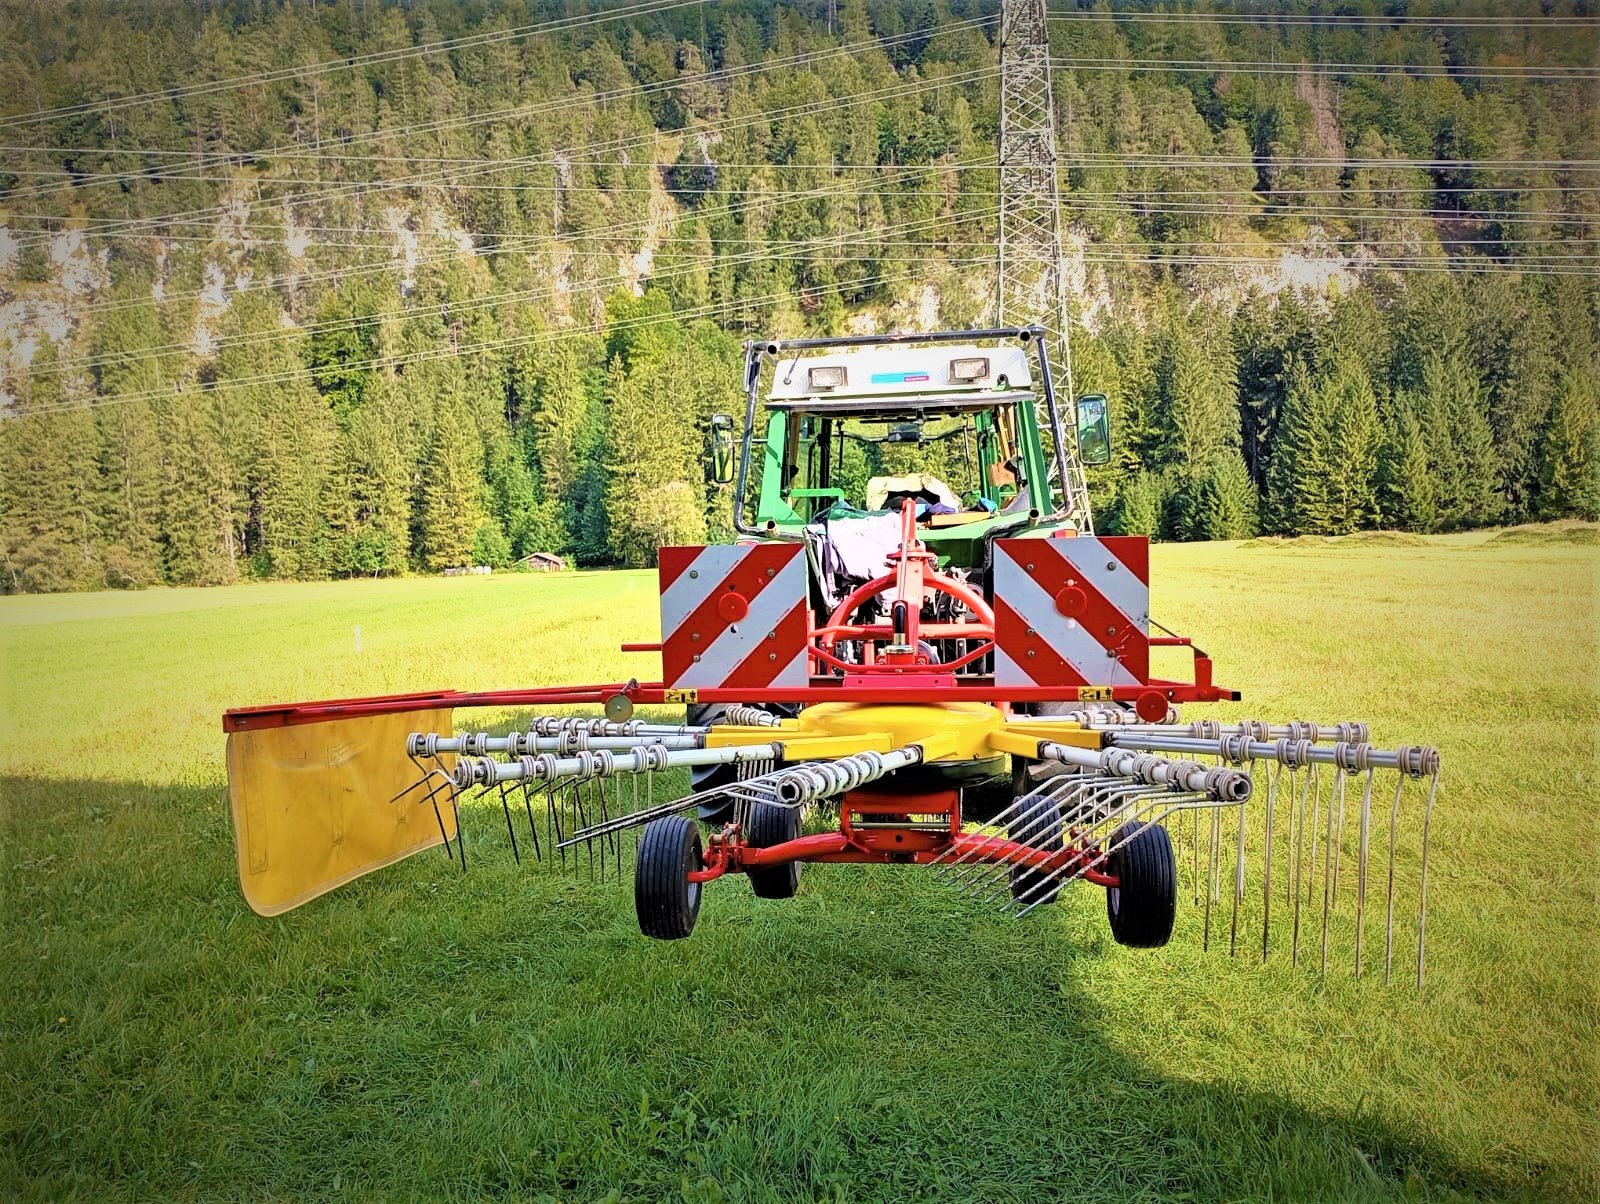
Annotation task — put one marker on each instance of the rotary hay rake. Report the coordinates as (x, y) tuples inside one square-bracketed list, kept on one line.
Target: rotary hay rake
[(1001, 730)]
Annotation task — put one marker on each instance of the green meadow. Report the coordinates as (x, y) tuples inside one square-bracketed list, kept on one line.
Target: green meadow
[(423, 1033)]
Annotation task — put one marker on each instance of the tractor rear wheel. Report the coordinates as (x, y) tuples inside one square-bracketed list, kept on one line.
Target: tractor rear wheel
[(1142, 905), (1038, 826), (772, 825), (667, 902)]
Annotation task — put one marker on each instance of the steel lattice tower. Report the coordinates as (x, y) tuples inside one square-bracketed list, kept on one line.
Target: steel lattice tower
[(1032, 285)]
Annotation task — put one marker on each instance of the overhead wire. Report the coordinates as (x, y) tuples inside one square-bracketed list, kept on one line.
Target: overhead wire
[(1531, 74), (257, 78), (447, 178), (804, 252), (448, 352), (1270, 19), (847, 188), (297, 152)]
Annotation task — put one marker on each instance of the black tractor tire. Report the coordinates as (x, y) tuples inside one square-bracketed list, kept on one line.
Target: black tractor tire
[(772, 825), (1142, 906), (666, 901), (1039, 827), (709, 777)]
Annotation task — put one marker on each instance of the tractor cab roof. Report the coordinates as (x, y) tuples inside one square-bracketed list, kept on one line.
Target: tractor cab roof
[(886, 383)]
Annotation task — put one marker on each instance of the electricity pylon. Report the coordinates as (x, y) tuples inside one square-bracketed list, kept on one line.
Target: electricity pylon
[(1032, 285)]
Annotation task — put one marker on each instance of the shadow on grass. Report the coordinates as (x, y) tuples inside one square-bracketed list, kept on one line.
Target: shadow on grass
[(509, 1032)]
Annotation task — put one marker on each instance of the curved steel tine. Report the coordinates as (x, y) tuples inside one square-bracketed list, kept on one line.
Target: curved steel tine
[(432, 797), (1212, 871), (527, 805), (461, 834), (1361, 864), (1129, 811), (505, 806), (1422, 884), (1299, 858), (977, 874), (1328, 863), (1340, 782), (1388, 918), (997, 875), (1194, 832), (1266, 861), (553, 817), (1238, 872)]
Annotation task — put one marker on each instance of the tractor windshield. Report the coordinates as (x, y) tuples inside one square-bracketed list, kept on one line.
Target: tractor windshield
[(957, 466)]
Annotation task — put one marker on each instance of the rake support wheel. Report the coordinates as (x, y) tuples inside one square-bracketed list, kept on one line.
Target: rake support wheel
[(667, 902), (1142, 906), (768, 826)]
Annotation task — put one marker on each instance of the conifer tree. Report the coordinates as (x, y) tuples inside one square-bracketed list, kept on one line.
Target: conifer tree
[(1569, 460), (197, 519), (452, 488), (42, 545), (1406, 487), (1228, 502)]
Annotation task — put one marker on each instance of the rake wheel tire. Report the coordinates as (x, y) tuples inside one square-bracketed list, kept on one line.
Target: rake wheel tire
[(667, 902), (1142, 907), (770, 825), (1038, 827)]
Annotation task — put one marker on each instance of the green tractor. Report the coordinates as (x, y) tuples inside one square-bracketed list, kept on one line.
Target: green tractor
[(952, 419), (965, 425)]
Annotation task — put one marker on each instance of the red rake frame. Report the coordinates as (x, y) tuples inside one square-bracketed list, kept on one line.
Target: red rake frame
[(900, 671)]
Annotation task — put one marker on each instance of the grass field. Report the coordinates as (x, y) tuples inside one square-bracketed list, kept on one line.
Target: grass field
[(421, 1033)]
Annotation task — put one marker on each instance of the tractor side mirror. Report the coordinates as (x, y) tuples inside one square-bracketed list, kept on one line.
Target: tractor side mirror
[(721, 449), (1094, 429)]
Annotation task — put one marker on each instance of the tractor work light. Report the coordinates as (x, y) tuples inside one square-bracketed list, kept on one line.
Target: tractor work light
[(827, 377), (972, 369)]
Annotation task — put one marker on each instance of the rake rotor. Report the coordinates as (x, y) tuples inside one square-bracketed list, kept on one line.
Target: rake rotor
[(1272, 822)]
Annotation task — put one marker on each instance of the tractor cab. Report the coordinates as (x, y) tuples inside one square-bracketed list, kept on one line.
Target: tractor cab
[(840, 433)]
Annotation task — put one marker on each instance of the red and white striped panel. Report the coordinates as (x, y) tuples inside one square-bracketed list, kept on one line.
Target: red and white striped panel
[(1072, 612), (734, 615)]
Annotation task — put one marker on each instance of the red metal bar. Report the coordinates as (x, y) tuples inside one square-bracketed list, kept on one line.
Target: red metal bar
[(935, 680)]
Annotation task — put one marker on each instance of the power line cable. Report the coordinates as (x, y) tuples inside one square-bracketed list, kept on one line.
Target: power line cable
[(295, 152), (255, 78), (447, 178)]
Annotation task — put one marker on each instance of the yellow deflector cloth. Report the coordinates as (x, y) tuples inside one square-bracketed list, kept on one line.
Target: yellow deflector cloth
[(311, 807)]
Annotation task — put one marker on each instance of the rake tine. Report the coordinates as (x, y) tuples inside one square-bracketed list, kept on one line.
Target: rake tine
[(1361, 864), (1125, 812), (461, 834), (1299, 859), (1337, 838), (1327, 863), (1316, 817), (1388, 919), (949, 868), (1194, 831), (552, 824), (583, 821), (998, 873), (1212, 870), (505, 806), (1422, 898), (527, 805), (1266, 861), (1238, 874)]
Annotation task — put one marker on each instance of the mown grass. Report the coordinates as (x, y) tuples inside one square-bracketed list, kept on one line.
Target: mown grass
[(421, 1033)]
